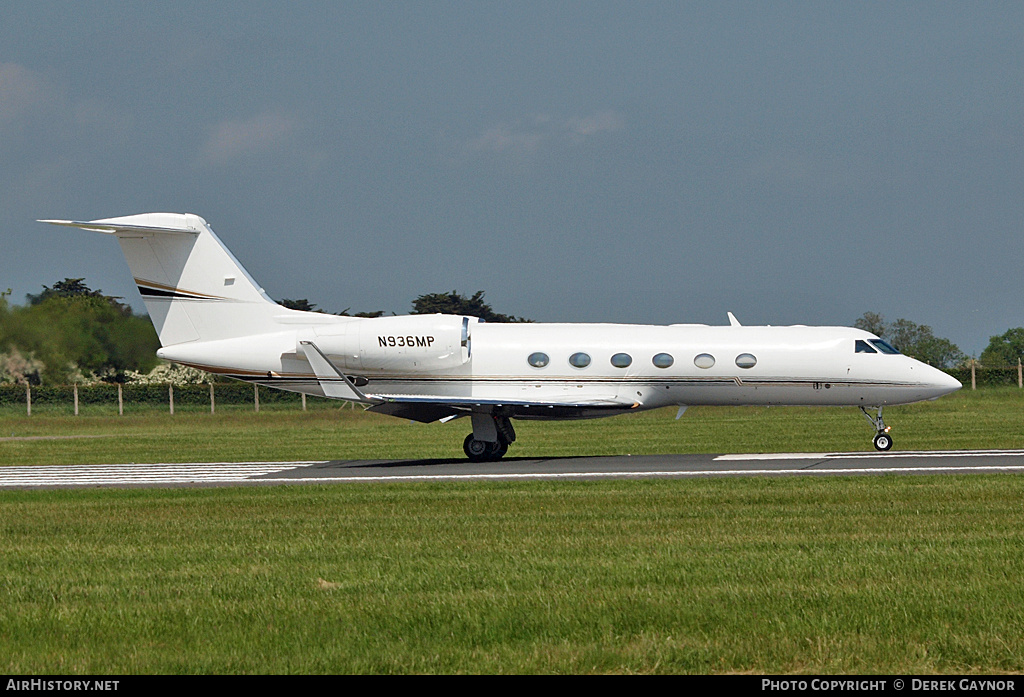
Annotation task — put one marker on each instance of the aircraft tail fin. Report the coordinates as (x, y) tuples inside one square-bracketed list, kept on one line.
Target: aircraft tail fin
[(193, 287)]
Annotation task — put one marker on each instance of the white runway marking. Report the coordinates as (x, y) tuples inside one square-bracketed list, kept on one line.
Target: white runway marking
[(678, 474), (861, 456), (161, 473), (585, 468)]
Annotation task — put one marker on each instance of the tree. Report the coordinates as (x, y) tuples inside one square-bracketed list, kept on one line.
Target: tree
[(1005, 349), (456, 304), (300, 304), (871, 322), (915, 340), (70, 329), (76, 288), (306, 306)]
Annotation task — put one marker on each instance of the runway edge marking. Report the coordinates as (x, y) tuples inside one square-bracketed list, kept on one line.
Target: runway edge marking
[(633, 475), (866, 455)]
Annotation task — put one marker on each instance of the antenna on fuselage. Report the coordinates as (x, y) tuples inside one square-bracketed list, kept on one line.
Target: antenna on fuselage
[(733, 322)]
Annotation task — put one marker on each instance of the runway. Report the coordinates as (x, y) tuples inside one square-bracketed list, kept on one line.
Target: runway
[(510, 469)]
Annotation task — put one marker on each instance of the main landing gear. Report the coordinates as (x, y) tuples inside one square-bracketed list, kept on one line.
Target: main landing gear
[(483, 451), (490, 438), (882, 440)]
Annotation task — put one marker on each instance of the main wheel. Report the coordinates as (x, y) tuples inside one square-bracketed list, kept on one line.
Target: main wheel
[(496, 451), (883, 441), (476, 450), (482, 450)]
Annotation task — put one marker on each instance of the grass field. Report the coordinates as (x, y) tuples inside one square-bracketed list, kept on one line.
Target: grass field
[(990, 418), (886, 574)]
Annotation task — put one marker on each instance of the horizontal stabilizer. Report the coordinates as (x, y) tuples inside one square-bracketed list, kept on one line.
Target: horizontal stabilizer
[(333, 382), (111, 227)]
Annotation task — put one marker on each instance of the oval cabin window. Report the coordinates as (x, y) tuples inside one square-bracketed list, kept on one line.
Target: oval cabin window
[(746, 360), (622, 360), (704, 360), (663, 360), (579, 360), (538, 360)]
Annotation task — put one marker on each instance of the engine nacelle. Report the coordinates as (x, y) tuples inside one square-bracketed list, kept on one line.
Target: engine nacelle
[(410, 343)]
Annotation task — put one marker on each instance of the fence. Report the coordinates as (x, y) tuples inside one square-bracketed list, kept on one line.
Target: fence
[(129, 397), (194, 397), (975, 375)]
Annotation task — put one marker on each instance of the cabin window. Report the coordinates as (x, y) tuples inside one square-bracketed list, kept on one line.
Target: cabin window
[(746, 360), (579, 360), (863, 347), (704, 360), (883, 347), (622, 360), (663, 360), (538, 359)]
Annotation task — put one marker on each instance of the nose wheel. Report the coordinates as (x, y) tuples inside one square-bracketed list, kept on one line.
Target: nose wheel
[(882, 439)]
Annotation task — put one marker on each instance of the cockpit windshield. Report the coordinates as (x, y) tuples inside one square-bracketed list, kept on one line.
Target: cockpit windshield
[(883, 347), (873, 346)]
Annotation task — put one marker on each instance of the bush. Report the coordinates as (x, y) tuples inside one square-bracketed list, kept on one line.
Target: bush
[(987, 377)]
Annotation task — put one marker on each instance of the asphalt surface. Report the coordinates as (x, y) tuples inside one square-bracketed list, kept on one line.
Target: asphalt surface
[(512, 469)]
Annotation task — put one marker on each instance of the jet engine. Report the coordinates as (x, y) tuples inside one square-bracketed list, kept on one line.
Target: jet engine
[(410, 343)]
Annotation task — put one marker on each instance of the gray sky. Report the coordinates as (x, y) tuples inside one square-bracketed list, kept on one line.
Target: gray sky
[(795, 163)]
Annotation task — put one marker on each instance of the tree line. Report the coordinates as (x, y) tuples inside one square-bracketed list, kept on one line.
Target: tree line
[(918, 341), (453, 303), (70, 333)]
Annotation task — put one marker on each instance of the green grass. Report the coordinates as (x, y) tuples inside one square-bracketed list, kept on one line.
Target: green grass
[(989, 418), (883, 574), (872, 574)]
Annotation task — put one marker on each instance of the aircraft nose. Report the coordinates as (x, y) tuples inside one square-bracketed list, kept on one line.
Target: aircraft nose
[(951, 383), (943, 383)]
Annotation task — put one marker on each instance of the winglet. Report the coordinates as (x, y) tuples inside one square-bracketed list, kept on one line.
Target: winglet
[(333, 382)]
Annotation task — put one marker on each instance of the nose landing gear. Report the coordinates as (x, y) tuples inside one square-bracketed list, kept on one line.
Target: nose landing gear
[(882, 439)]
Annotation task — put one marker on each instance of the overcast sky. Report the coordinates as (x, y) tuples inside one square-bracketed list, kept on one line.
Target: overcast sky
[(649, 162)]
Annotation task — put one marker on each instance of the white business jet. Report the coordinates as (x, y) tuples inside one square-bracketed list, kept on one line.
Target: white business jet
[(210, 314)]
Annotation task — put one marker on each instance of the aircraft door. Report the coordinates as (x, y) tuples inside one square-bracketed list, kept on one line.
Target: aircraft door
[(628, 372)]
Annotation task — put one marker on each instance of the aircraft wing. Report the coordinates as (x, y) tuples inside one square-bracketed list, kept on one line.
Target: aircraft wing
[(332, 381), (427, 409)]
